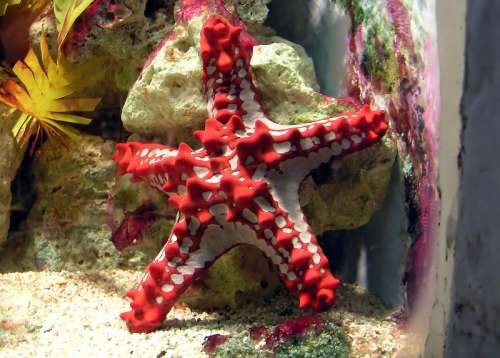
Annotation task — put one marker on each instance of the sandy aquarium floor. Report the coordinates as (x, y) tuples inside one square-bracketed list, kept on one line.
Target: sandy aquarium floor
[(75, 314)]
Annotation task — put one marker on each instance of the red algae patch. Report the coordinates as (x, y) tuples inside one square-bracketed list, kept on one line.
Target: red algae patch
[(211, 342), (295, 328)]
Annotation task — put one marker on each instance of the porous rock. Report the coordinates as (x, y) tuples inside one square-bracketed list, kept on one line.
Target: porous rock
[(67, 226), (251, 11), (167, 102), (285, 76), (167, 99), (234, 279), (345, 195)]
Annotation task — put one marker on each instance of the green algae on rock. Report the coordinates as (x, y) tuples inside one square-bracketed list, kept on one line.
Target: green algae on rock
[(251, 11), (379, 54), (354, 190), (235, 279), (67, 226)]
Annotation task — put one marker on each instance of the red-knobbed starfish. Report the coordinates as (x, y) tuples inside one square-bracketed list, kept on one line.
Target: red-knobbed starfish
[(241, 186)]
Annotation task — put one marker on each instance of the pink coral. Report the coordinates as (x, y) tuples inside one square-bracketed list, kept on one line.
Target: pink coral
[(100, 14)]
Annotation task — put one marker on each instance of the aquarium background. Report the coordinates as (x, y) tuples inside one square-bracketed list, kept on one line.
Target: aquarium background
[(375, 212)]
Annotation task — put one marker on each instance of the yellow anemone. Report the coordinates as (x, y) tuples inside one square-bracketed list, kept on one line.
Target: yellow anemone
[(41, 93)]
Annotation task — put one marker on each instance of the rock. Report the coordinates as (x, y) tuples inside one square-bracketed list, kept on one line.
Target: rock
[(346, 195), (9, 163), (67, 227), (285, 76), (125, 45), (235, 279), (167, 100), (251, 11)]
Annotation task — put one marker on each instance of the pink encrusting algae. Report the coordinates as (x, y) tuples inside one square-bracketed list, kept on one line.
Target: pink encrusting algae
[(413, 105), (99, 14)]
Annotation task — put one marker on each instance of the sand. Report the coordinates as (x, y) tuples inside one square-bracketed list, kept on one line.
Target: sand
[(75, 314)]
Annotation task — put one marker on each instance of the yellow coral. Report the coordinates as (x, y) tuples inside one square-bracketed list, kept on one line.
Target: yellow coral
[(41, 92), (66, 13)]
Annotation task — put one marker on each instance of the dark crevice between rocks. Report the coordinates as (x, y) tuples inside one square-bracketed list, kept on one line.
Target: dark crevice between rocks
[(323, 174), (385, 242), (23, 194), (107, 125), (342, 254), (412, 208), (153, 7), (23, 198)]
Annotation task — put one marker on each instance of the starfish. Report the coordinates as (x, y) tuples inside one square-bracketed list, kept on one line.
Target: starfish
[(241, 186)]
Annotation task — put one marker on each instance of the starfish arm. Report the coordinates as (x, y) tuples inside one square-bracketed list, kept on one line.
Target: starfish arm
[(287, 240), (236, 112), (227, 74), (180, 262), (144, 161), (162, 167), (318, 141), (283, 236)]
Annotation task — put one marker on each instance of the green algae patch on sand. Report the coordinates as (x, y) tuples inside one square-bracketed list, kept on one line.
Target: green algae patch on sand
[(330, 342)]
